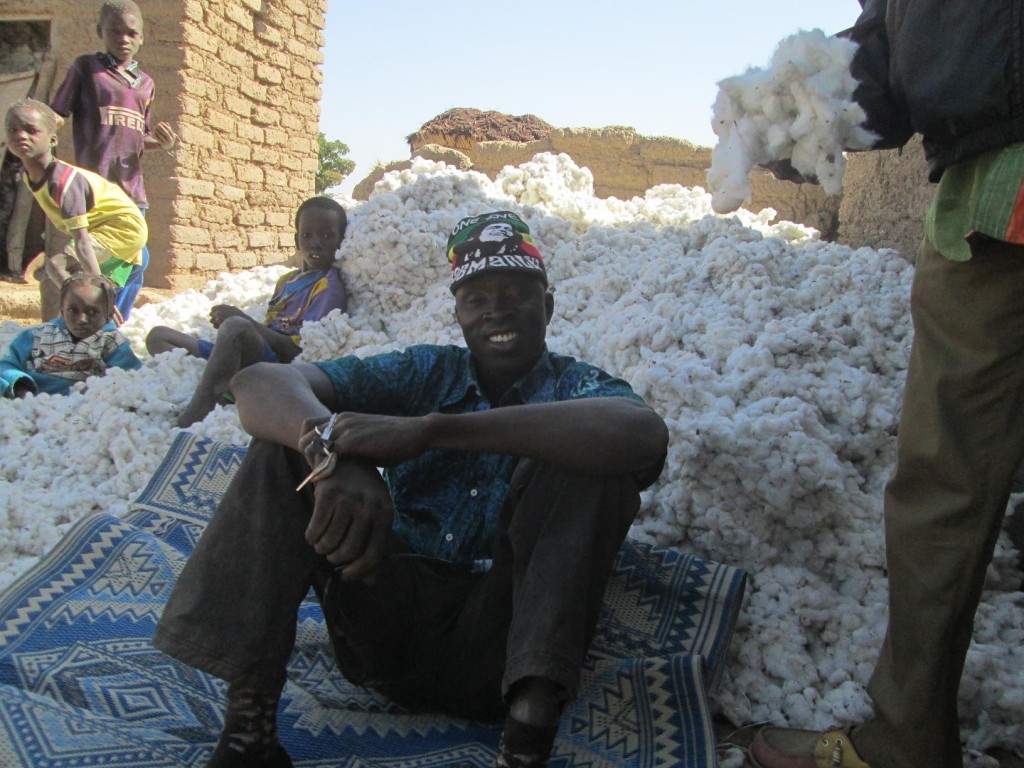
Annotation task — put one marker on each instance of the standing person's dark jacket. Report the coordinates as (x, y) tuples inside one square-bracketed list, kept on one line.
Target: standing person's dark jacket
[(946, 78)]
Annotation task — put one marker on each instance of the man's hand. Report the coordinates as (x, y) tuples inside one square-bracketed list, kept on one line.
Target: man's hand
[(352, 517), (383, 440), (783, 170)]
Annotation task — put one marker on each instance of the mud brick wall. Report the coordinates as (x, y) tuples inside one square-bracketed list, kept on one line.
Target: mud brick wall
[(240, 82)]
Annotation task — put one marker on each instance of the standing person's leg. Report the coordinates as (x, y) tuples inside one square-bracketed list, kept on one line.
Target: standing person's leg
[(56, 247), (128, 293), (961, 439), (17, 230)]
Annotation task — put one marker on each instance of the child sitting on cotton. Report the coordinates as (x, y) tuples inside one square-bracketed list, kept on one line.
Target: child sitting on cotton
[(82, 342), (303, 295)]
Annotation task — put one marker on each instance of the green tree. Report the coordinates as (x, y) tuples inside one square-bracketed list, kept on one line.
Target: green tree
[(332, 165)]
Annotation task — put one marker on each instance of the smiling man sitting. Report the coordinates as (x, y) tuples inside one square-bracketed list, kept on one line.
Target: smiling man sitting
[(468, 578)]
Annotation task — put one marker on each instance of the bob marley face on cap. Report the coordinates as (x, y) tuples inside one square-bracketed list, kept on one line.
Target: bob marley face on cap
[(492, 241)]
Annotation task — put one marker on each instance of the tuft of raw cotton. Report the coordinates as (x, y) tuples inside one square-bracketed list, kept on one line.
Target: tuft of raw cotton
[(799, 108), (776, 359)]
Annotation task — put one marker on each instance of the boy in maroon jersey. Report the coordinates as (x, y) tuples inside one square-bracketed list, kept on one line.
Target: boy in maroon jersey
[(109, 98)]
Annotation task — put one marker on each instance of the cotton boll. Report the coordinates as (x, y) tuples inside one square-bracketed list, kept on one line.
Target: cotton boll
[(731, 161), (732, 757), (799, 108)]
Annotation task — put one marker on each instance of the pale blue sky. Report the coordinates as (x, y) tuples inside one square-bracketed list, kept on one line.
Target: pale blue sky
[(392, 65)]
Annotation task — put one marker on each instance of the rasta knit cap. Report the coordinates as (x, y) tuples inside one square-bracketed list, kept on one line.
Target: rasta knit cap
[(492, 241)]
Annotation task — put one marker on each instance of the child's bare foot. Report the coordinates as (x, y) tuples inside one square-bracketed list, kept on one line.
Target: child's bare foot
[(197, 409)]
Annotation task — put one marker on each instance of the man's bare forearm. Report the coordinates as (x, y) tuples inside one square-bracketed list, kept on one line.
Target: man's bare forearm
[(593, 436)]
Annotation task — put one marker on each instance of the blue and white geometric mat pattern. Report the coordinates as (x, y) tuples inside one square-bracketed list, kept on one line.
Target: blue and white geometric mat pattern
[(80, 684)]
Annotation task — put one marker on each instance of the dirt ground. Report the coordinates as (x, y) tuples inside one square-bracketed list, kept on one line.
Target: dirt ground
[(20, 303)]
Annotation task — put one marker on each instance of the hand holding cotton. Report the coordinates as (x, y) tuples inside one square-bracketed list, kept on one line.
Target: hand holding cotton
[(799, 108)]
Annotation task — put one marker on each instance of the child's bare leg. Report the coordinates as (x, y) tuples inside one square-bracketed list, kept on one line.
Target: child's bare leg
[(164, 339), (238, 345)]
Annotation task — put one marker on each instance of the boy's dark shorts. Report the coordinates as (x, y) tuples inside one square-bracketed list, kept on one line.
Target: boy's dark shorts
[(206, 347)]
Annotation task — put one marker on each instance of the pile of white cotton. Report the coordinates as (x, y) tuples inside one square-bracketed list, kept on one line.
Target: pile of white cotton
[(777, 361), (799, 108)]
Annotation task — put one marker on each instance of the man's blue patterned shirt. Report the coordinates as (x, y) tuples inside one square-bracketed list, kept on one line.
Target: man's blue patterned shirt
[(447, 502)]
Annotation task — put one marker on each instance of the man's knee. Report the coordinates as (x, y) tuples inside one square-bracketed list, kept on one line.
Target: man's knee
[(546, 484)]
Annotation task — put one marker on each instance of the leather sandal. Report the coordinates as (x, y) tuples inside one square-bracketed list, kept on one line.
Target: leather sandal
[(790, 748)]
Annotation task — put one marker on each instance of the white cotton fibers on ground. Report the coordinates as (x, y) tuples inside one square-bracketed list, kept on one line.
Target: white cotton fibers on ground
[(798, 108), (776, 359)]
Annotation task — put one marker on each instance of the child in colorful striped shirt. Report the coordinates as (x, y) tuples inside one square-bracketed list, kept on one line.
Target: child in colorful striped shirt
[(303, 295), (107, 229)]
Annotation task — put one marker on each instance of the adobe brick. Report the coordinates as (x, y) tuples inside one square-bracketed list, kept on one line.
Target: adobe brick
[(240, 106), (268, 73), (235, 150), (266, 33), (230, 192), (275, 177), (275, 137), (195, 187), (193, 10), (192, 235), (190, 105), (211, 262), (266, 156), (257, 92), (249, 174), (278, 17), (184, 208), (195, 137), (263, 115), (251, 218), (228, 238), (263, 198), (218, 122), (262, 239), (243, 260), (240, 15), (249, 132), (219, 168), (298, 8), (235, 58), (200, 39), (221, 28), (280, 219), (217, 214)]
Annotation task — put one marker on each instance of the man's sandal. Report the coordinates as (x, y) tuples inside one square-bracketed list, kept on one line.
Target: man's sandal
[(790, 748)]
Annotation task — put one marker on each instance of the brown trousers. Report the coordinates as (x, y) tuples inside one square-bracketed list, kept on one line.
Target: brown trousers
[(961, 439)]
